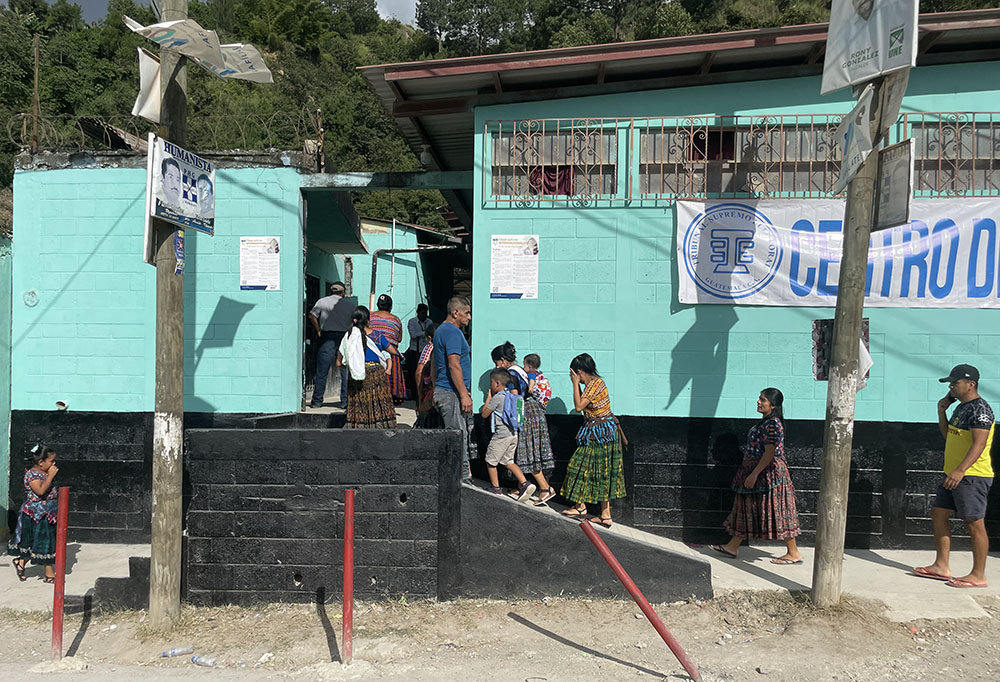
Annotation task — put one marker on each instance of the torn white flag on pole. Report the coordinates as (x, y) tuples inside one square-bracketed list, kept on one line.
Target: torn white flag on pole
[(147, 104), (865, 363), (237, 60), (243, 61), (855, 137)]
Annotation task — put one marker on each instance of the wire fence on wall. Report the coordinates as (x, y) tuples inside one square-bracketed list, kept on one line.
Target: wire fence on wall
[(69, 133)]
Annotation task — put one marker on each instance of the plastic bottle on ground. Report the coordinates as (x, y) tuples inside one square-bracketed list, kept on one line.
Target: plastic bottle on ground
[(178, 651), (203, 661)]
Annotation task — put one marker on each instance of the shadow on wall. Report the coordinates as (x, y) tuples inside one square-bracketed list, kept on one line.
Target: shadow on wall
[(698, 363), (222, 326), (221, 332)]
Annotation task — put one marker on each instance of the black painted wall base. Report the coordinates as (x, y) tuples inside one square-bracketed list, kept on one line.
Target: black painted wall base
[(265, 521), (106, 460), (677, 472)]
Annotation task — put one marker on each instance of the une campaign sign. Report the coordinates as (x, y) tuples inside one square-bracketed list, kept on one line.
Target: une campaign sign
[(787, 253), (867, 39)]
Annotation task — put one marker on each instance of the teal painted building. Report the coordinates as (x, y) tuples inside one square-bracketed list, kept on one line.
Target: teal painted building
[(83, 328), (625, 131), (592, 148), (81, 308), (608, 272)]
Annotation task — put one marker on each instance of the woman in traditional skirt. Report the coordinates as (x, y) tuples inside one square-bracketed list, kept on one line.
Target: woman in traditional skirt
[(595, 471), (534, 449), (764, 507), (369, 403), (391, 327), (423, 378), (35, 535)]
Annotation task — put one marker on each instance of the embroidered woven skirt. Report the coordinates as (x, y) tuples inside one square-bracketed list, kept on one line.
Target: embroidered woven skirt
[(766, 513), (33, 540), (369, 403), (595, 472), (397, 382), (534, 448)]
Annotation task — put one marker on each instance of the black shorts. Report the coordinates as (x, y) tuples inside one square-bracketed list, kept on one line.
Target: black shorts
[(968, 500)]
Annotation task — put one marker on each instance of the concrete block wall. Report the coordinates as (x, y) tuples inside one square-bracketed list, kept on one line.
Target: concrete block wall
[(608, 273), (265, 520), (83, 327), (678, 474), (105, 458)]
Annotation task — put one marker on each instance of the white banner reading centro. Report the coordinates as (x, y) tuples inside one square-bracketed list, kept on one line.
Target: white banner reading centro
[(787, 253)]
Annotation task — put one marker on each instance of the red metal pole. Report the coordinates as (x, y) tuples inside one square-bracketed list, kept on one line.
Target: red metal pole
[(348, 576), (644, 605), (62, 519)]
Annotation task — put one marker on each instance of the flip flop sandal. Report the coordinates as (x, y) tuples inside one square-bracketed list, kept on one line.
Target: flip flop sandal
[(544, 496), (781, 561), (922, 572), (48, 579), (721, 550), (575, 512), (19, 566), (962, 584), (604, 522)]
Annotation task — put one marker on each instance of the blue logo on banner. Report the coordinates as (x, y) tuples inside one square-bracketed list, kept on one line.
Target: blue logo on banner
[(732, 250)]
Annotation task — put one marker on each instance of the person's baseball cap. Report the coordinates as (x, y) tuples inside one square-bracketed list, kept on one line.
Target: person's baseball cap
[(961, 372), (338, 286)]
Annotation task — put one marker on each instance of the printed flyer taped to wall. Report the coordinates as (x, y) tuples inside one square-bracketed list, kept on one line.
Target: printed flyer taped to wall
[(787, 253)]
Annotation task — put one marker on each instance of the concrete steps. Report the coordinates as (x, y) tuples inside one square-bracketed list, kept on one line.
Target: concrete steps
[(132, 593)]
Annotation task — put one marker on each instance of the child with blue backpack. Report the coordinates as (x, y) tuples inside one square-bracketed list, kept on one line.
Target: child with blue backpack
[(505, 411)]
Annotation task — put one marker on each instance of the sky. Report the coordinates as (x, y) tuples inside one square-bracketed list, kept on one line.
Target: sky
[(403, 10)]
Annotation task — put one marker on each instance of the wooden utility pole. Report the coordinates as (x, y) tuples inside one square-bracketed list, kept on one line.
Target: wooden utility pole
[(34, 102), (831, 522), (168, 414)]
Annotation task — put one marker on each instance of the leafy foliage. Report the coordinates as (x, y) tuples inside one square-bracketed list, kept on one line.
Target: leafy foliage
[(314, 47)]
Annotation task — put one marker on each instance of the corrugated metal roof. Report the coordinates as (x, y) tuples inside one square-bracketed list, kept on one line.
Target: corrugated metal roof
[(433, 101)]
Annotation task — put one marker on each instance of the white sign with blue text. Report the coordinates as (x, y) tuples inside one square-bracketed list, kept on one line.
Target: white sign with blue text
[(514, 266), (787, 253)]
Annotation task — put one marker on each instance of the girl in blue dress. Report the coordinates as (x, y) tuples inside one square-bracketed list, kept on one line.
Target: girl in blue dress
[(34, 537)]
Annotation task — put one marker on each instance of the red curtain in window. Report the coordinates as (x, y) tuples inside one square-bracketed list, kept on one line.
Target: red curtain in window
[(551, 180)]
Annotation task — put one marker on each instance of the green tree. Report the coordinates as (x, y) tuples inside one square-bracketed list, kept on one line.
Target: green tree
[(669, 19)]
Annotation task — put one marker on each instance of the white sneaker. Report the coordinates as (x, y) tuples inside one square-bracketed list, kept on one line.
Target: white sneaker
[(526, 491)]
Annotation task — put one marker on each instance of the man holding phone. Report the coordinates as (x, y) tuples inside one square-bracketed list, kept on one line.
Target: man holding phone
[(968, 476)]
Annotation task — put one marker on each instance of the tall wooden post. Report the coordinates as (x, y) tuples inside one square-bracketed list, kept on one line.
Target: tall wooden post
[(168, 415), (838, 433), (34, 101)]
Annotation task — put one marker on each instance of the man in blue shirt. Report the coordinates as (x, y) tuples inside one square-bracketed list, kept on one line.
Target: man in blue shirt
[(453, 371)]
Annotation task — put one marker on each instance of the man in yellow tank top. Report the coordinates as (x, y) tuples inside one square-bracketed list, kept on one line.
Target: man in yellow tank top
[(968, 476)]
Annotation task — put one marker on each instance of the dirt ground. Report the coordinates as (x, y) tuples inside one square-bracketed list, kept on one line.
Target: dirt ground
[(739, 636)]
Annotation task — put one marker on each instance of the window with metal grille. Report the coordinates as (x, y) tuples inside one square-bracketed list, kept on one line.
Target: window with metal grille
[(955, 154), (794, 156), (535, 162), (553, 159)]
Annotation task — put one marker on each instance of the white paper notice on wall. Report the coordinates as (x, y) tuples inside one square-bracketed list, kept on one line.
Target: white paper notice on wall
[(514, 266), (260, 263)]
